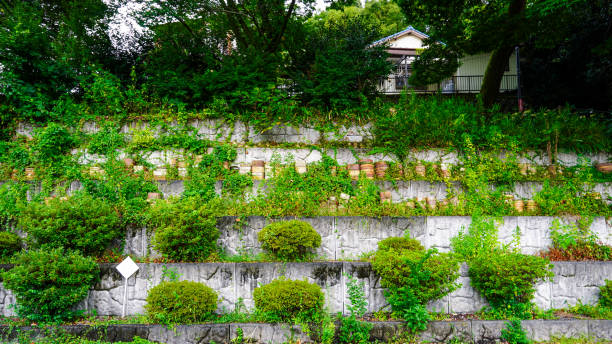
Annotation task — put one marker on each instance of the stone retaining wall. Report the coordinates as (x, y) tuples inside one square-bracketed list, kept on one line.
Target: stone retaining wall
[(573, 282), (476, 331), (342, 155), (401, 190), (349, 237)]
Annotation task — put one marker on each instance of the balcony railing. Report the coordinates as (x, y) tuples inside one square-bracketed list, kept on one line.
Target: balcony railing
[(395, 84)]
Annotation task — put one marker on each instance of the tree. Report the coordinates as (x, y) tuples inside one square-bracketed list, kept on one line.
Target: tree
[(338, 68), (45, 46), (474, 26), (220, 47), (575, 66)]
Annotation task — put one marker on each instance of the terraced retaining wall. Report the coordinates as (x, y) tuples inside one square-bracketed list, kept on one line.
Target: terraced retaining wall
[(476, 331), (573, 282), (342, 155), (349, 237), (401, 190)]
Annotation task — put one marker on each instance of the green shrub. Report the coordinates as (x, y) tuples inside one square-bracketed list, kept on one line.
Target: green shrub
[(430, 274), (514, 333), (507, 280), (289, 240), (413, 279), (605, 295), (285, 300), (353, 330), (48, 283), (185, 230), (105, 141), (81, 223), (400, 243), (181, 302), (10, 243), (480, 239), (576, 242), (52, 141)]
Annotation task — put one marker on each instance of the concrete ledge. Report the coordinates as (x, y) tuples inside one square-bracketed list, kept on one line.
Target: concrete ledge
[(476, 331), (349, 237), (573, 282)]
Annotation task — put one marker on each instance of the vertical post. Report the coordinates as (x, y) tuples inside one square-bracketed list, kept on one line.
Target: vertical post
[(518, 80), (125, 280)]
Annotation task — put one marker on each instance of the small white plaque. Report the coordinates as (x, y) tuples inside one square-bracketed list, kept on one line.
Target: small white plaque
[(127, 267)]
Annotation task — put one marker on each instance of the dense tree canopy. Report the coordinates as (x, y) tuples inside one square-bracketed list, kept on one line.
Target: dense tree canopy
[(472, 26)]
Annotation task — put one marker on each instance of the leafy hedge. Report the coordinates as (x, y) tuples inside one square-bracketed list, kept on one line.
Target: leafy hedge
[(81, 222), (185, 230), (507, 280), (47, 283)]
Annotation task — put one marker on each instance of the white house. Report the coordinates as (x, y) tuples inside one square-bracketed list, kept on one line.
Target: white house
[(404, 46)]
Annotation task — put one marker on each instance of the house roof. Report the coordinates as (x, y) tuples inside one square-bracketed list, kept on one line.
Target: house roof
[(407, 31)]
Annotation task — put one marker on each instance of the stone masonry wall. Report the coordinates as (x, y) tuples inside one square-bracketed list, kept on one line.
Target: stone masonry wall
[(349, 237), (573, 282)]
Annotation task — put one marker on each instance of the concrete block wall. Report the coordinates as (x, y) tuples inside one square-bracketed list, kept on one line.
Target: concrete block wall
[(573, 282), (342, 155), (472, 331), (349, 237)]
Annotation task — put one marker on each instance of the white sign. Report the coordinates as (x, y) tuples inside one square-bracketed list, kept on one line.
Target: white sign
[(127, 267)]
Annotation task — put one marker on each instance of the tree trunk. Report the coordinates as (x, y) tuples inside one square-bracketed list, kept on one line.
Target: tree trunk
[(499, 58), (494, 74)]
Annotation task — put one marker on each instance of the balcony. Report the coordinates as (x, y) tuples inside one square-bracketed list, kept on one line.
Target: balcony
[(395, 84)]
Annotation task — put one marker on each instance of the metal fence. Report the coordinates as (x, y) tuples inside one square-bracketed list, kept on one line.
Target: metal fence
[(395, 84)]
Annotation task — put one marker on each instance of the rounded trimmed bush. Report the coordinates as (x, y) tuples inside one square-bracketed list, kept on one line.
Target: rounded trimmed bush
[(81, 223), (289, 240), (284, 300), (400, 243), (48, 283), (10, 243), (181, 302)]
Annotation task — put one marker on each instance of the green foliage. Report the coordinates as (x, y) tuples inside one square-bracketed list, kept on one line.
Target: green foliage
[(183, 302), (10, 243), (514, 333), (128, 193), (345, 68), (185, 230), (437, 121), (605, 295), (507, 280), (80, 222), (351, 329), (12, 195), (399, 244), (289, 240), (52, 142), (480, 239), (105, 141), (413, 278), (285, 300), (47, 283), (576, 242), (428, 274)]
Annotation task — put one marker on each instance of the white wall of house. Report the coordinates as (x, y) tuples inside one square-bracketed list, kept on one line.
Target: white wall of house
[(477, 64), (467, 78), (408, 41)]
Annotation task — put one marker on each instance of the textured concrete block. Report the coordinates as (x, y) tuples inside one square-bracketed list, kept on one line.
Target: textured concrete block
[(540, 330)]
